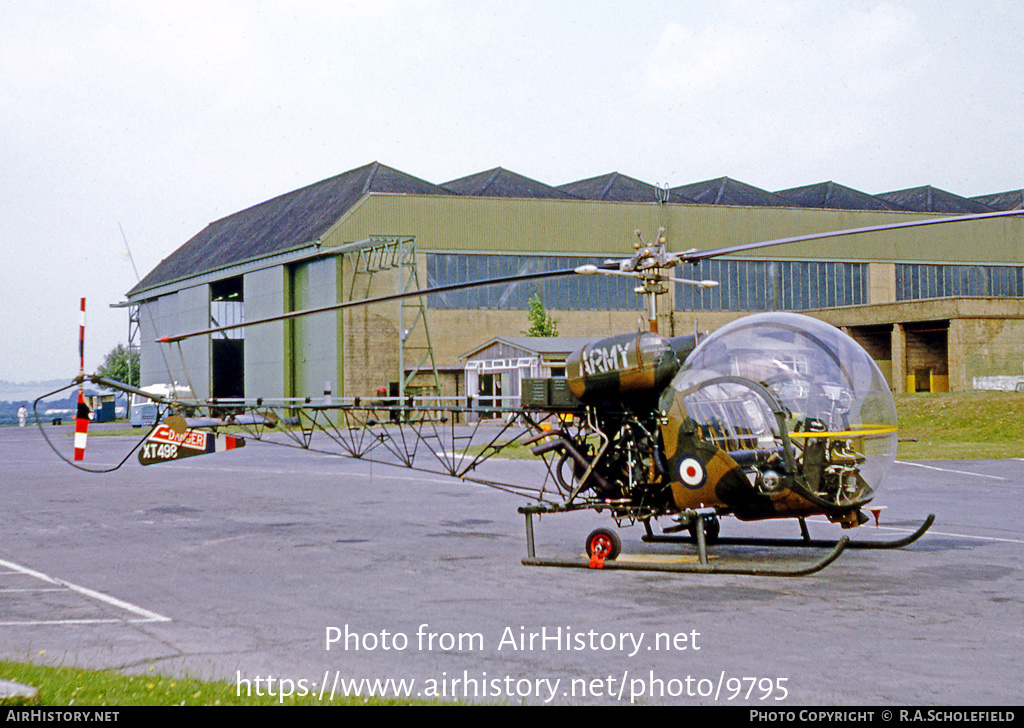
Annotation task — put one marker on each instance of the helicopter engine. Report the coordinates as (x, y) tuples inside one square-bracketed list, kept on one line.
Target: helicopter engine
[(614, 456)]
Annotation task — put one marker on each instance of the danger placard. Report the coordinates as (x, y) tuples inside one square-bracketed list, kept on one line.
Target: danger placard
[(165, 444)]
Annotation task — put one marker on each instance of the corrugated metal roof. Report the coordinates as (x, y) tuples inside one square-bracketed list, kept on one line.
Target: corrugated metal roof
[(615, 187), (726, 191), (282, 223), (499, 182), (1013, 200), (829, 195), (932, 199), (301, 218)]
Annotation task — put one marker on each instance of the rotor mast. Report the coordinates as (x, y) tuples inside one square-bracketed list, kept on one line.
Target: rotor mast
[(651, 278), (649, 265)]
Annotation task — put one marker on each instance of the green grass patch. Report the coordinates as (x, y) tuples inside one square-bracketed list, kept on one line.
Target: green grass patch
[(961, 425), (75, 686)]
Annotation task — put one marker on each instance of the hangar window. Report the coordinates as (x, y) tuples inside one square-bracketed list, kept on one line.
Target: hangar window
[(569, 293), (760, 285), (227, 306), (916, 281), (744, 285)]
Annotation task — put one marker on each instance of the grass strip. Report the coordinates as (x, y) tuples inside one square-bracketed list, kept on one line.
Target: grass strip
[(66, 686), (961, 425)]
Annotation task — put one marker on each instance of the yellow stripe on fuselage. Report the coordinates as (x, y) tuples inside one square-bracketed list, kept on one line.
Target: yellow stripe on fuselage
[(867, 431)]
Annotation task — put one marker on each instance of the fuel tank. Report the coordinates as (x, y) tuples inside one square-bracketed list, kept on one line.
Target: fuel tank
[(619, 367)]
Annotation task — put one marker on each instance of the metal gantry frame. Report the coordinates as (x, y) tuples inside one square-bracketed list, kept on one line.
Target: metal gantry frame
[(378, 254)]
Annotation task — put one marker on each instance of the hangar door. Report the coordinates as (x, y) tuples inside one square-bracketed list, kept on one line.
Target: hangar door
[(313, 339), (227, 349)]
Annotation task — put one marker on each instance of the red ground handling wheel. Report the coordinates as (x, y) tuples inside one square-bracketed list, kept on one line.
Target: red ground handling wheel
[(604, 543)]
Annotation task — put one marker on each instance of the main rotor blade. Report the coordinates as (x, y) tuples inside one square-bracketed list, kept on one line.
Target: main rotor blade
[(375, 299), (693, 256)]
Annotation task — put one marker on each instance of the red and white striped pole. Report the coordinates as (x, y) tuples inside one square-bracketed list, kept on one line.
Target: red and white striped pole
[(82, 417)]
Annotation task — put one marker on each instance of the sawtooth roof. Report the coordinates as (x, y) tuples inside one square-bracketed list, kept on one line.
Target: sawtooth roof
[(615, 187), (292, 220), (726, 191), (829, 195), (299, 218), (499, 182), (932, 199), (1013, 200)]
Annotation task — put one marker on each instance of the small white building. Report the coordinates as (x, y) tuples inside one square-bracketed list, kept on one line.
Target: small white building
[(494, 371)]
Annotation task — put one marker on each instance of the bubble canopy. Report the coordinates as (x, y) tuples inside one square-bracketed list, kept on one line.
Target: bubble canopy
[(831, 392)]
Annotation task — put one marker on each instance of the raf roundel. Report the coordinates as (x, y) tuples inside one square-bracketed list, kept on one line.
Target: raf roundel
[(692, 472)]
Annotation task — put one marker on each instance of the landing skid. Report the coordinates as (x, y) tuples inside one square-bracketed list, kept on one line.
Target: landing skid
[(703, 567), (806, 539)]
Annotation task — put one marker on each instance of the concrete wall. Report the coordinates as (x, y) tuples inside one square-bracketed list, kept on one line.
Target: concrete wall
[(881, 282), (371, 349), (986, 353)]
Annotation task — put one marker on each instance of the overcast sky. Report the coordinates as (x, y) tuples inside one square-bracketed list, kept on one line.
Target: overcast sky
[(159, 118)]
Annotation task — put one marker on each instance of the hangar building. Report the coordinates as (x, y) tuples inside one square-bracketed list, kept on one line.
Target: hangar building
[(939, 307)]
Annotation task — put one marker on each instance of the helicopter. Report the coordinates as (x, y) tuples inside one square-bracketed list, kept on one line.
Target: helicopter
[(776, 415)]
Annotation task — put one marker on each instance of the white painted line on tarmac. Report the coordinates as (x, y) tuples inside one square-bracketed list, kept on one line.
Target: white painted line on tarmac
[(947, 470), (929, 532), (64, 623), (144, 615), (977, 538), (15, 591)]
